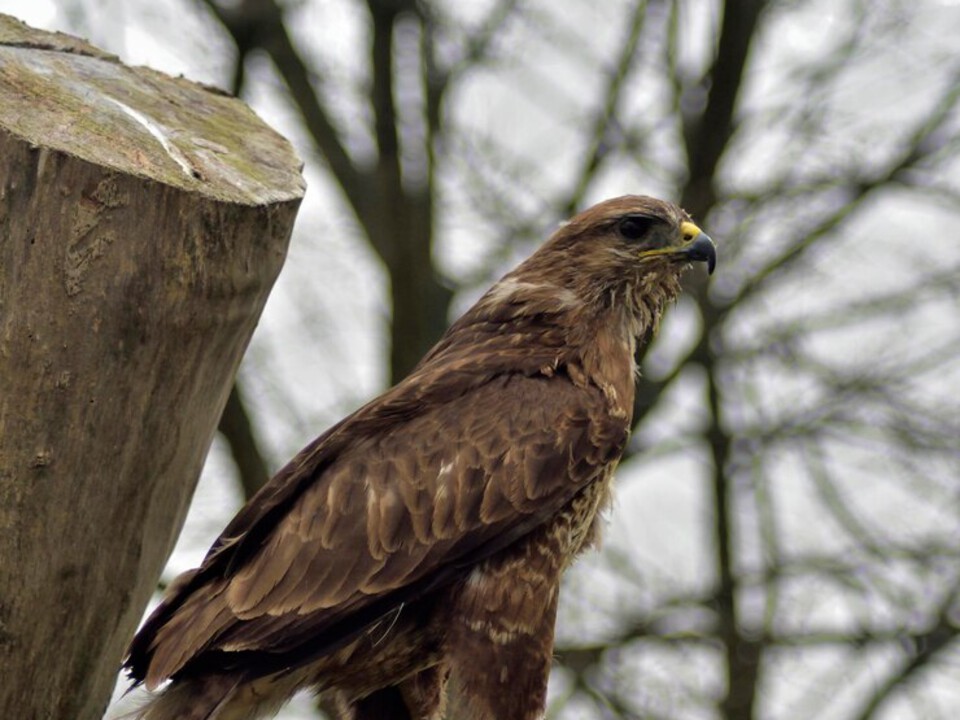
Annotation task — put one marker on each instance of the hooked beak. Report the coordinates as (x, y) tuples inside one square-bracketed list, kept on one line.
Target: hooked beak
[(700, 248)]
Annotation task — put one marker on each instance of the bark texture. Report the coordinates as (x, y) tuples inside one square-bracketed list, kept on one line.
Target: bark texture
[(143, 220)]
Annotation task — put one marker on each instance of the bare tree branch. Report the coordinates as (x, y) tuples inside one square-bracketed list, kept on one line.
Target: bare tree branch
[(237, 429), (600, 140), (925, 648), (260, 24)]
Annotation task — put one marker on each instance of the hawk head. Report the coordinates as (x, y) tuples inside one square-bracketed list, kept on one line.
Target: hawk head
[(624, 254), (636, 235)]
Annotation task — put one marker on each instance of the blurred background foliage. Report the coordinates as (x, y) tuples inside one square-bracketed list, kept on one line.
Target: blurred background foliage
[(785, 540)]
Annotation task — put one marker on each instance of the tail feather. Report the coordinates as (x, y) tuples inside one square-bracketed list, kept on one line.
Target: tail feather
[(190, 699)]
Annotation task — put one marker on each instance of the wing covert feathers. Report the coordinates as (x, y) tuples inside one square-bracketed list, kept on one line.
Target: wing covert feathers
[(438, 490)]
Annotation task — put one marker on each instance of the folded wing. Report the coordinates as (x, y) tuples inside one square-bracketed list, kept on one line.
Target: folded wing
[(376, 514)]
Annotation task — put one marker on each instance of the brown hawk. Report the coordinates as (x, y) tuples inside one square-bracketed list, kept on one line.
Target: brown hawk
[(413, 552)]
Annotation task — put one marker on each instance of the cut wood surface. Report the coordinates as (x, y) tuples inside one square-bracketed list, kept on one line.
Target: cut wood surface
[(143, 221)]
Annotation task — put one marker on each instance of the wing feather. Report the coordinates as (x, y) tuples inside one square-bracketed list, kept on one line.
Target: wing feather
[(392, 514)]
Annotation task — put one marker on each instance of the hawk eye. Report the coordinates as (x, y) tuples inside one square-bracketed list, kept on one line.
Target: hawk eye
[(634, 227)]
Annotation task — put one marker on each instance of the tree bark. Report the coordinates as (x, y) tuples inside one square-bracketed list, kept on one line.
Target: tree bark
[(143, 221)]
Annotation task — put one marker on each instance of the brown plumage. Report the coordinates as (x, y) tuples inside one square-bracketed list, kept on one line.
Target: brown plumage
[(413, 552)]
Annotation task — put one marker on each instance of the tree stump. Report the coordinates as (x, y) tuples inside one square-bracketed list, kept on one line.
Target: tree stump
[(143, 221)]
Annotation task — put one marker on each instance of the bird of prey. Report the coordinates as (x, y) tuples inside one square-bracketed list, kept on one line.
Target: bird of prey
[(411, 555)]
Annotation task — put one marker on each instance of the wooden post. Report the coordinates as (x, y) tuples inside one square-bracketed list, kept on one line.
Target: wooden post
[(143, 221)]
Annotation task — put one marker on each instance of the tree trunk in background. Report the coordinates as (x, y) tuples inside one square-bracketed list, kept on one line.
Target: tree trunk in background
[(143, 221), (394, 211)]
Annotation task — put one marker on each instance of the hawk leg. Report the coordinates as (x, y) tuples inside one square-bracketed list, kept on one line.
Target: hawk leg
[(420, 697), (500, 644)]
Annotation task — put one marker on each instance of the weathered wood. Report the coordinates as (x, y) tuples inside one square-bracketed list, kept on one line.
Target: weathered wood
[(143, 220)]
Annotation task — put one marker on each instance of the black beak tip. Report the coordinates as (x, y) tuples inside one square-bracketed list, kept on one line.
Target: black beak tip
[(703, 250)]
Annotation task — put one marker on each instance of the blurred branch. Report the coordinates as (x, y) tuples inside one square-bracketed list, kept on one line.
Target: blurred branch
[(926, 647), (582, 657), (384, 17), (804, 122), (845, 517), (836, 504), (706, 134), (599, 140), (237, 429), (397, 218), (706, 137), (608, 702), (770, 539), (925, 553), (260, 24), (923, 142), (852, 313), (478, 43)]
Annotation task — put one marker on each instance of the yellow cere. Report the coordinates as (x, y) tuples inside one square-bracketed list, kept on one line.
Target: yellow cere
[(689, 230)]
